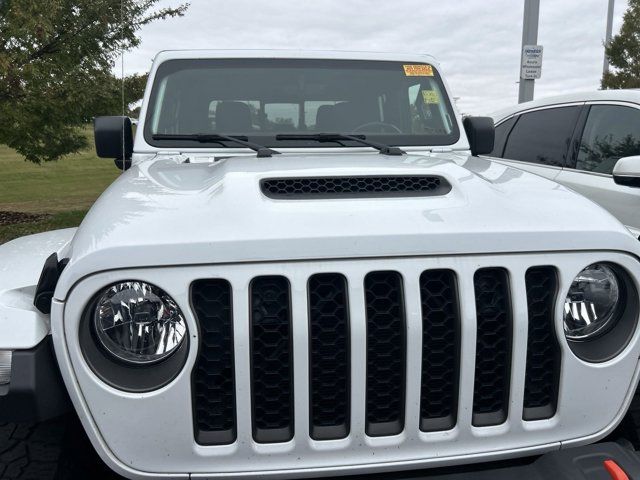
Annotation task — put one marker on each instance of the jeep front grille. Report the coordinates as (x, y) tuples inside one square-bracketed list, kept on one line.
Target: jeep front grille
[(333, 320)]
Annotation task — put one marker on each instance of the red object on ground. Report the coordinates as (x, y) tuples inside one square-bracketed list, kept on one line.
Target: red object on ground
[(615, 471)]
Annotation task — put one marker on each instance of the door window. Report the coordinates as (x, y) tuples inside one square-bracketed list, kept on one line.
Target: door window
[(611, 132), (542, 136), (282, 117), (502, 131)]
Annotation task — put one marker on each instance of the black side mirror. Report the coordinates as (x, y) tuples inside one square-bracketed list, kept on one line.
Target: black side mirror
[(481, 134), (114, 139)]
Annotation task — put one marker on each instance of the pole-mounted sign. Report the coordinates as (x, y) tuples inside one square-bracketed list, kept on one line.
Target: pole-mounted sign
[(531, 65), (531, 61)]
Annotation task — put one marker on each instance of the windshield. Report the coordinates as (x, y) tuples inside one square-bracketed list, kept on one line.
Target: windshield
[(393, 103)]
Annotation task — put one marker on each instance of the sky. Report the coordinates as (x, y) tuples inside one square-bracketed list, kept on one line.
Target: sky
[(477, 42)]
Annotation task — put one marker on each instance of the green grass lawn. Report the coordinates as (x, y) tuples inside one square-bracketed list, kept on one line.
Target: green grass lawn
[(64, 189)]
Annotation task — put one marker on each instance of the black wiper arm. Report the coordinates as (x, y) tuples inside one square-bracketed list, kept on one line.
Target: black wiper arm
[(336, 137), (262, 151)]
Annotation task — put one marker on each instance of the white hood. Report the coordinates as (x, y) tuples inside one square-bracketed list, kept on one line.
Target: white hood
[(164, 212)]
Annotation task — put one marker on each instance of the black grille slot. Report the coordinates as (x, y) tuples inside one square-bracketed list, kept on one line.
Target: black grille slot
[(329, 356), (213, 377), (543, 352), (364, 186), (440, 350), (493, 347), (271, 360), (386, 339)]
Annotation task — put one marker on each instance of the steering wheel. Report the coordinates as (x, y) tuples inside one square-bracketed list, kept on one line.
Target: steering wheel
[(383, 127)]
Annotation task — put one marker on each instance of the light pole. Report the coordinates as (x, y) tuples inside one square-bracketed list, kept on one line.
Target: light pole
[(607, 40), (529, 37)]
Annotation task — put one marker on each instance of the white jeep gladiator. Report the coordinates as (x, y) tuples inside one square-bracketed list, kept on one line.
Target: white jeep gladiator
[(306, 270)]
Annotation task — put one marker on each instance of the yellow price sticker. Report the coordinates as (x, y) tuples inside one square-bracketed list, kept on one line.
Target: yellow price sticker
[(430, 97), (419, 70)]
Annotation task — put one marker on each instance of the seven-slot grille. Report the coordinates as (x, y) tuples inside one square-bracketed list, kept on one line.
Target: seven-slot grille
[(330, 363)]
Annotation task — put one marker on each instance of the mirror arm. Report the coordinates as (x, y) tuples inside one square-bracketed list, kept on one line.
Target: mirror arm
[(122, 165)]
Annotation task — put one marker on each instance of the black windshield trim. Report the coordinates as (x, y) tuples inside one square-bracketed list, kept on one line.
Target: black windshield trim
[(269, 140)]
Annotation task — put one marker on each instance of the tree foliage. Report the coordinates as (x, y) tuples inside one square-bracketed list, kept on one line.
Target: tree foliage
[(624, 52), (606, 151), (56, 63)]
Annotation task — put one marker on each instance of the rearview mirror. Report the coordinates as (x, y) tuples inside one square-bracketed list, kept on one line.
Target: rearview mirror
[(481, 134), (627, 171), (114, 138)]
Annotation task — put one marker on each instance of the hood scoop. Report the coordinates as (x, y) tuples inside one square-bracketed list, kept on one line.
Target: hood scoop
[(308, 188)]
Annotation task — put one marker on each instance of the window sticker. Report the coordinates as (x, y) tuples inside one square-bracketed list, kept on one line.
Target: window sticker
[(418, 70), (430, 97)]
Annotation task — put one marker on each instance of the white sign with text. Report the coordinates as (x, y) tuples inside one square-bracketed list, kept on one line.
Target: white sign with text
[(531, 65)]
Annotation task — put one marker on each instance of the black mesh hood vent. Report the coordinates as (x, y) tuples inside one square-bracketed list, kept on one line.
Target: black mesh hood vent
[(355, 187)]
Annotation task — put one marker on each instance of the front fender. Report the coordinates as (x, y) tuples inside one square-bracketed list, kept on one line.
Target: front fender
[(22, 326)]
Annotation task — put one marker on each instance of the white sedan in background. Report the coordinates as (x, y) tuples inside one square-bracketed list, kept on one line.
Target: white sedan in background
[(589, 142)]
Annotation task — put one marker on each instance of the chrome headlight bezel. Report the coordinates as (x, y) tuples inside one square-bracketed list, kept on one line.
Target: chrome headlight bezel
[(136, 377)]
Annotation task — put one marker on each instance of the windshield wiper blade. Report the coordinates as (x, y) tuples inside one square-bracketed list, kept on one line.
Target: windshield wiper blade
[(336, 137), (261, 150)]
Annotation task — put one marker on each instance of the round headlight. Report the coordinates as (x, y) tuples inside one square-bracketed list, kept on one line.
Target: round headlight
[(591, 307), (138, 323)]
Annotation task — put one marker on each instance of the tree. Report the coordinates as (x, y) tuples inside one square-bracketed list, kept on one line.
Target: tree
[(624, 52), (56, 63), (113, 89)]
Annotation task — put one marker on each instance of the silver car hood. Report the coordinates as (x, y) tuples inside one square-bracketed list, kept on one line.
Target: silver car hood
[(167, 212)]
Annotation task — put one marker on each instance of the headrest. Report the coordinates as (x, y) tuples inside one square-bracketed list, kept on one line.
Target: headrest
[(233, 117), (325, 119)]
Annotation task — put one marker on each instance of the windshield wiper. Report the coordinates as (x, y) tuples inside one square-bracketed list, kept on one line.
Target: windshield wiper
[(261, 150), (336, 137)]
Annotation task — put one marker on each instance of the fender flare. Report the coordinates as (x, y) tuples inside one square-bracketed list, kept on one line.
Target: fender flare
[(22, 325)]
